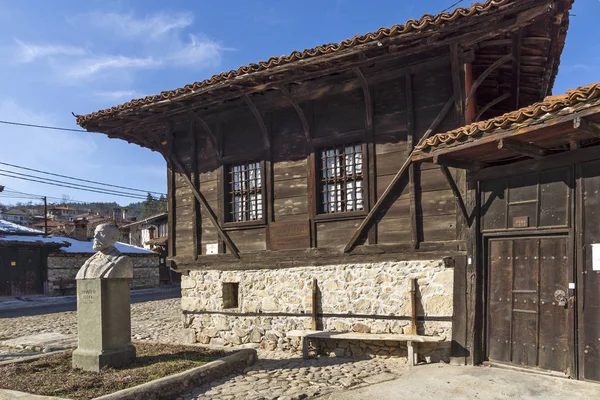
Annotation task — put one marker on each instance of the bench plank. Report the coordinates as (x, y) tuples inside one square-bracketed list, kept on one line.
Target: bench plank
[(395, 337)]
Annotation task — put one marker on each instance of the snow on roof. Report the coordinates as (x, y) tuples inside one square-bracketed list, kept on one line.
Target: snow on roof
[(80, 246), (10, 227), (34, 240)]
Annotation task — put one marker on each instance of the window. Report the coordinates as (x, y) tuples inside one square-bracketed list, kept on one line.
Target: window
[(230, 294), (341, 179), (245, 192)]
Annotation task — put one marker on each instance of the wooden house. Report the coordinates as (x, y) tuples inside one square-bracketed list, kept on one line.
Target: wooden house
[(305, 191)]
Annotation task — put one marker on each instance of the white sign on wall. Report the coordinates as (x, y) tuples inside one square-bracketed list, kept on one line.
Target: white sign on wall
[(212, 248), (596, 256)]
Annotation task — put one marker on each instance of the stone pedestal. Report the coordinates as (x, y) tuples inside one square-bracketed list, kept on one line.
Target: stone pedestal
[(103, 324)]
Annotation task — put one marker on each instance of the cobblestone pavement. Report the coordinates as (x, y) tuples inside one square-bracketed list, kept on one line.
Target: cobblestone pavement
[(286, 376), (276, 375), (157, 321)]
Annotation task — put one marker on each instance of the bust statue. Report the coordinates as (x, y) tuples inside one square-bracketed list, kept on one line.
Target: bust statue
[(107, 262)]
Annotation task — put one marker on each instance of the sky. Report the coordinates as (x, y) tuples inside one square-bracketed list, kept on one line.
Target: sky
[(69, 56)]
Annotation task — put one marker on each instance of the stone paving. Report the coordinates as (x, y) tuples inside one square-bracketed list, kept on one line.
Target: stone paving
[(276, 375), (157, 321), (286, 376)]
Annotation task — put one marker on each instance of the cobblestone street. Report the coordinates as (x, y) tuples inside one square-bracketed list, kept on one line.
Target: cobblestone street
[(157, 321), (285, 376), (276, 375)]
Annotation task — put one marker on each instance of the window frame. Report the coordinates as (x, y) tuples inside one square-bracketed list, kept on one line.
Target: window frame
[(226, 214), (322, 145)]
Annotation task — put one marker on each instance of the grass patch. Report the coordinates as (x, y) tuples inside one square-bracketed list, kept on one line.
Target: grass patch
[(53, 375)]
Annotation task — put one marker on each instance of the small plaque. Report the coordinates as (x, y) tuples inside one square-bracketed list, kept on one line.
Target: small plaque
[(13, 263), (596, 256), (212, 248), (520, 222), (289, 235)]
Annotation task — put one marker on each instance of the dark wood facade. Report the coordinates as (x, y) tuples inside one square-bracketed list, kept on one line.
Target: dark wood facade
[(382, 98)]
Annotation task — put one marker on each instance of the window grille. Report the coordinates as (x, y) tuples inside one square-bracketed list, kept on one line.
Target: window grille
[(245, 192), (341, 179)]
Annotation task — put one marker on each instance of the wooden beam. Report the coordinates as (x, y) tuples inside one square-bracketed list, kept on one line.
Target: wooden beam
[(259, 119), (214, 140), (456, 80), (585, 126), (378, 207), (486, 73), (515, 84), (526, 149), (457, 163), (490, 105), (211, 215), (288, 96), (410, 115), (456, 192)]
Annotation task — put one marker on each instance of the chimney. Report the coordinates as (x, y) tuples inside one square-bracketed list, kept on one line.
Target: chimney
[(124, 214), (81, 229), (116, 214)]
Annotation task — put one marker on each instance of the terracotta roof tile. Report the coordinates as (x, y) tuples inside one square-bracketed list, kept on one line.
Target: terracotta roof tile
[(551, 105), (412, 25)]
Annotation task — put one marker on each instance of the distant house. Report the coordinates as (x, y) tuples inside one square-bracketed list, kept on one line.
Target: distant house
[(16, 216), (31, 263), (61, 213), (152, 233), (23, 259)]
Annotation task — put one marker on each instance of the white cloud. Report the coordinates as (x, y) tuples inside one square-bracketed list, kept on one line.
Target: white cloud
[(128, 26), (116, 95), (199, 52), (86, 67), (155, 42), (27, 53)]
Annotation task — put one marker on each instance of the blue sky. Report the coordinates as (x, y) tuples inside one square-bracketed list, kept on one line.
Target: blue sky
[(65, 56)]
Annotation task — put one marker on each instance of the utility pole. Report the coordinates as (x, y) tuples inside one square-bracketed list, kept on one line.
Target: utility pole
[(45, 216)]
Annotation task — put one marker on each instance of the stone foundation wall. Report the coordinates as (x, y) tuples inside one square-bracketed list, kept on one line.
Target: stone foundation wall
[(65, 267), (369, 298)]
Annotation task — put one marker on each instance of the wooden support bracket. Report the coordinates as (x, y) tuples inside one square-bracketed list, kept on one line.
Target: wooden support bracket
[(259, 119), (585, 126), (447, 161), (456, 192), (214, 140), (490, 105), (486, 73), (202, 200), (368, 99), (526, 149), (379, 205), (288, 96)]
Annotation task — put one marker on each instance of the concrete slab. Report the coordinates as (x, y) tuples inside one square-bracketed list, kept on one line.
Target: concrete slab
[(42, 342), (440, 381)]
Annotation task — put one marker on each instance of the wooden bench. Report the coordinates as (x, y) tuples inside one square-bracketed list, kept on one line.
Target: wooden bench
[(66, 284), (411, 340)]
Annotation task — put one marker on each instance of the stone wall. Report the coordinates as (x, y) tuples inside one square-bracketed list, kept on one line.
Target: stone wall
[(370, 298), (65, 267)]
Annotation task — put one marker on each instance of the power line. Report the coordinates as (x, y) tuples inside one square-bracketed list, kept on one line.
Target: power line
[(109, 191), (42, 126), (79, 179), (453, 5), (72, 187)]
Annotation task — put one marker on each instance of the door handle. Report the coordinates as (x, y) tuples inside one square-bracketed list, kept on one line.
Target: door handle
[(561, 298)]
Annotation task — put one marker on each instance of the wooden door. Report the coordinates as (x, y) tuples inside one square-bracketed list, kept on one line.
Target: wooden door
[(529, 312)]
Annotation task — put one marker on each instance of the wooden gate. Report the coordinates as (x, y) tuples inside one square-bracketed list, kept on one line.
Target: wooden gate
[(21, 271), (529, 318)]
